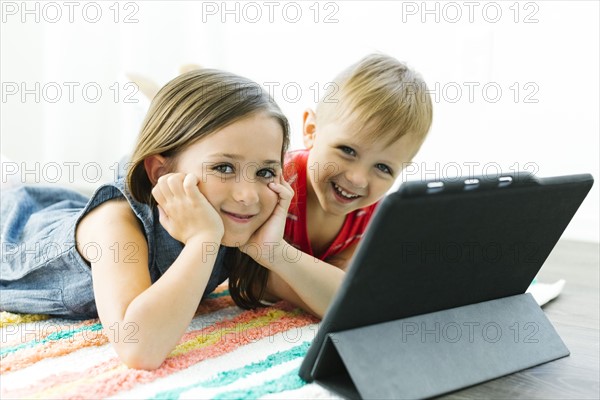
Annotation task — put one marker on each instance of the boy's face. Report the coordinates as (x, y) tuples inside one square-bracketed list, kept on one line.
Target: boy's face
[(346, 172)]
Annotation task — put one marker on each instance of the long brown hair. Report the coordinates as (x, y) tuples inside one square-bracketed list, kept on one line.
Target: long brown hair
[(188, 108)]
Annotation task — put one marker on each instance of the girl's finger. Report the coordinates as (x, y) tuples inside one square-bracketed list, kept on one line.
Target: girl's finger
[(163, 186), (285, 193), (284, 190), (288, 187), (274, 186), (175, 182), (158, 195), (162, 215), (190, 186), (283, 182)]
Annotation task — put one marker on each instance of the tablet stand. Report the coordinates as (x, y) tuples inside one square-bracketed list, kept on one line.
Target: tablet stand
[(432, 354)]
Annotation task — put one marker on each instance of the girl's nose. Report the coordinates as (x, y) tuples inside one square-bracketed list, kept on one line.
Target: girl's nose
[(245, 193)]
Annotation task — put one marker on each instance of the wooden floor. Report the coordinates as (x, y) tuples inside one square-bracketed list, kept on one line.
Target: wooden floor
[(576, 316)]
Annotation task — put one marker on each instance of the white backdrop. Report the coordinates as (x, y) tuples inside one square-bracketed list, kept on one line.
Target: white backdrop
[(515, 84)]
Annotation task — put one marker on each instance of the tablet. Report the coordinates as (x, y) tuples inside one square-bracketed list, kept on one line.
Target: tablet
[(436, 245)]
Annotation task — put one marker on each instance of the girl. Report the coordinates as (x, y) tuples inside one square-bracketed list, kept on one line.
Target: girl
[(144, 250)]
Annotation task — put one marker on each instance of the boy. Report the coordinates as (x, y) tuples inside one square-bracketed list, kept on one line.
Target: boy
[(356, 146), (355, 149)]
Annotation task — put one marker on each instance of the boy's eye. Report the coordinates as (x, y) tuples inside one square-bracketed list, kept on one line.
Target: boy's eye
[(348, 150), (266, 173), (384, 168), (223, 168)]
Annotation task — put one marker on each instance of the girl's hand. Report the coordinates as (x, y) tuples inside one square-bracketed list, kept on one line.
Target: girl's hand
[(183, 210), (267, 242)]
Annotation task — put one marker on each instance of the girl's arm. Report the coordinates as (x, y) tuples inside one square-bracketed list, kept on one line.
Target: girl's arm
[(144, 322)]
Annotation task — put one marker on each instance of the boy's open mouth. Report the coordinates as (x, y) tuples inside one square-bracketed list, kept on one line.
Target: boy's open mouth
[(342, 194)]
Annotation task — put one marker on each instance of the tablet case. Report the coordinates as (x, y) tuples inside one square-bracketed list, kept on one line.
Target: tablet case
[(457, 253)]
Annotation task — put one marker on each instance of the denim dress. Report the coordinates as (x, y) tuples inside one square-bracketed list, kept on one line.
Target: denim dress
[(43, 273)]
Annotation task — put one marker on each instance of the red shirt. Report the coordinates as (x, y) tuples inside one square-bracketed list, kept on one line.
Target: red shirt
[(296, 233)]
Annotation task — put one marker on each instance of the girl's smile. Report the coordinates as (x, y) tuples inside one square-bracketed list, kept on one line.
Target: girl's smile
[(239, 218)]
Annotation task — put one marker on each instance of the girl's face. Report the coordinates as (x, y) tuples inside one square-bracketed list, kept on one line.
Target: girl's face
[(234, 166)]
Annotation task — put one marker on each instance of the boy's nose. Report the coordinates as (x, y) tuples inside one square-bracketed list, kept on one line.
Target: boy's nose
[(358, 178)]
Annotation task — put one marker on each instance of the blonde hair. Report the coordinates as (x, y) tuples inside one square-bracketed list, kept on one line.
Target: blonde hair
[(383, 96), (190, 107)]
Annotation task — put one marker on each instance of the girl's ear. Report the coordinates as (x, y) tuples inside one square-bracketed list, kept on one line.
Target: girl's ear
[(309, 128), (155, 167)]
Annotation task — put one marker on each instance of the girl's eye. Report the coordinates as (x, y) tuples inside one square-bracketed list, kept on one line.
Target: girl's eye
[(266, 173), (348, 150), (223, 168), (384, 168)]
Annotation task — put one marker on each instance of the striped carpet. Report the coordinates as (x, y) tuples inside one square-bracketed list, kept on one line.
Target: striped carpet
[(226, 353)]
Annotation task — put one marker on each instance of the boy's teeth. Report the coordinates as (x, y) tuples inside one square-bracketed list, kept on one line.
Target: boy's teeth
[(344, 193)]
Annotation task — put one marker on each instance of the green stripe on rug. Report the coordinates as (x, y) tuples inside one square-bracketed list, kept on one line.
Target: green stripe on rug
[(217, 295), (289, 381), (227, 377), (60, 335)]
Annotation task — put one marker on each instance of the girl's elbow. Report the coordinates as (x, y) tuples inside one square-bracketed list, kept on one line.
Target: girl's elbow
[(141, 363), (139, 358)]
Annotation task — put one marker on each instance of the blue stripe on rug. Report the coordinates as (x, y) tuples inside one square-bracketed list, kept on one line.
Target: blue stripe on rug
[(227, 377)]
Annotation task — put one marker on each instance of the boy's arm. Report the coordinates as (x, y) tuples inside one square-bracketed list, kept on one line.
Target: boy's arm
[(278, 288), (302, 279), (342, 259)]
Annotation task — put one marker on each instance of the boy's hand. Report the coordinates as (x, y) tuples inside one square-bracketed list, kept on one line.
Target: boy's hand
[(184, 212), (264, 245)]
